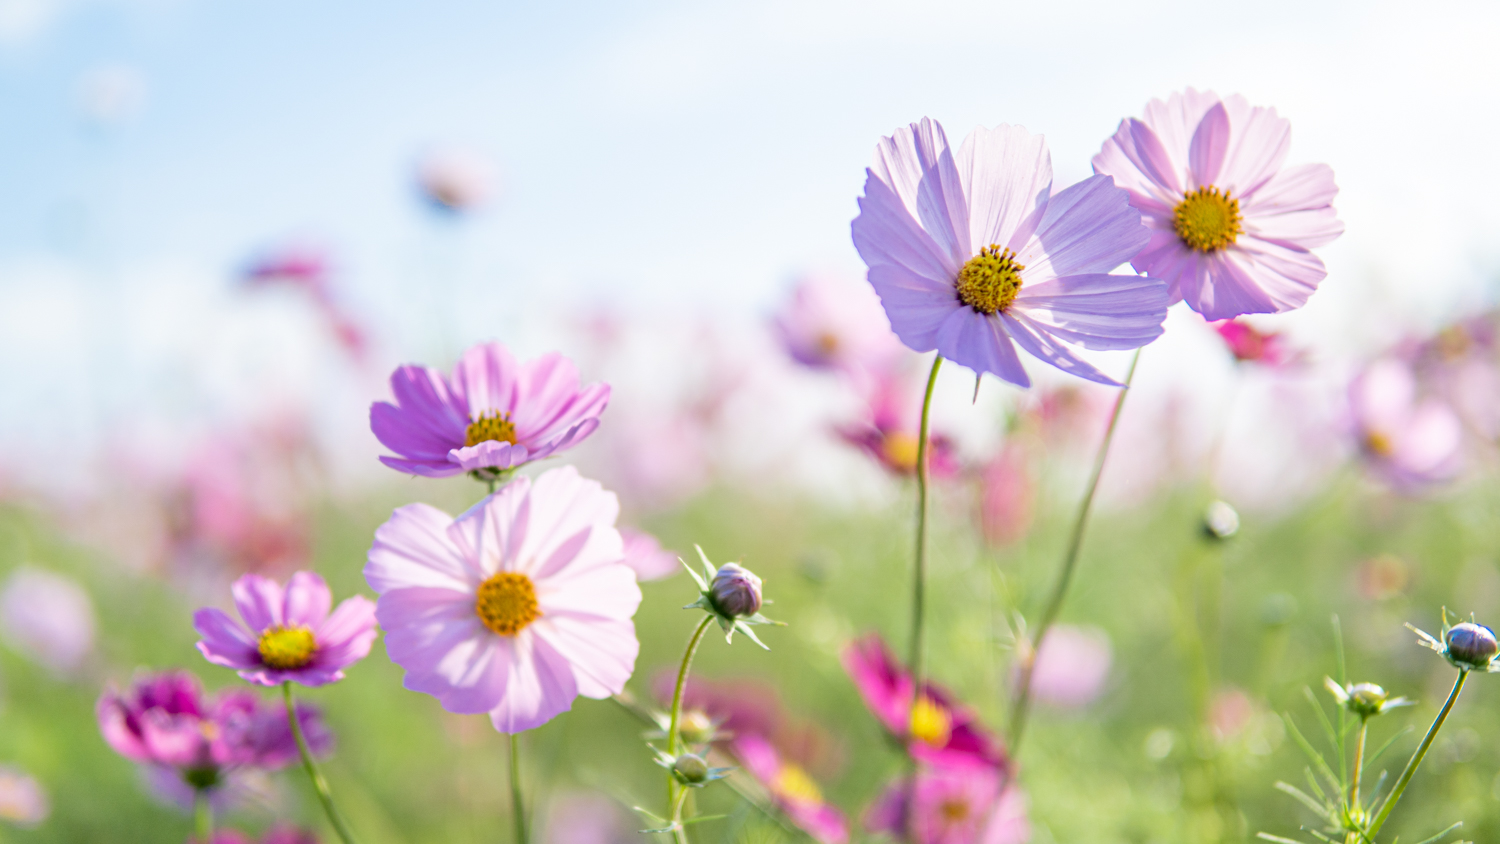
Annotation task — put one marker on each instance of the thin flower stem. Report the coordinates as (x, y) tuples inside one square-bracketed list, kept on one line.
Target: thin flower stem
[(1022, 705), (1359, 763), (674, 801), (915, 660), (1416, 758), (320, 785), (492, 486), (517, 804), (203, 816)]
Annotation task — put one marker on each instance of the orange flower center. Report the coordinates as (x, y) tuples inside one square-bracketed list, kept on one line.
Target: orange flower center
[(930, 723), (493, 425), (286, 648), (990, 281), (507, 603), (1207, 220)]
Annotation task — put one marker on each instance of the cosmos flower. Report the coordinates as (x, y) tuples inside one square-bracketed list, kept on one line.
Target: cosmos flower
[(494, 414), (1006, 496), (1249, 344), (1232, 231), (791, 789), (1071, 666), (455, 179), (582, 817), (646, 557), (1409, 441), (972, 254), (305, 268), (935, 730), (47, 618), (951, 805), (834, 324), (22, 800), (514, 608), (292, 637), (888, 432)]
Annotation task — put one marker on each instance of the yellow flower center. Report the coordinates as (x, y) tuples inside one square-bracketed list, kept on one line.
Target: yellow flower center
[(1207, 220), (507, 603), (1379, 444), (954, 811), (828, 343), (900, 451), (286, 648), (990, 281), (493, 425), (793, 784), (930, 723)]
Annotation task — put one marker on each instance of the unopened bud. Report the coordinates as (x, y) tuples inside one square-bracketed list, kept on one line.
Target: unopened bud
[(1220, 521), (1472, 645), (696, 727), (735, 591), (1365, 699), (690, 768)]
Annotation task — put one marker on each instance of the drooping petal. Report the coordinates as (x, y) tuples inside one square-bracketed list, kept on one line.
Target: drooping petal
[(259, 600), (1089, 227), (1098, 311), (1006, 173), (980, 342), (1039, 342), (414, 549), (424, 468), (915, 305), (306, 601)]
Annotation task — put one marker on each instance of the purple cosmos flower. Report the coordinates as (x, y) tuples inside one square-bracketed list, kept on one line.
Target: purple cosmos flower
[(291, 637), (833, 323), (972, 254), (1232, 232), (935, 730), (47, 618), (1410, 442), (492, 415), (952, 805), (646, 557), (22, 800), (791, 789), (514, 608)]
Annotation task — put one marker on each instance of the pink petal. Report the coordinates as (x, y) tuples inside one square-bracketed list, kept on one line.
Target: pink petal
[(307, 600), (346, 637), (1089, 227), (1209, 145), (225, 642), (601, 653), (1259, 145), (490, 454), (259, 600), (486, 378), (538, 688), (414, 548), (1006, 174), (570, 524)]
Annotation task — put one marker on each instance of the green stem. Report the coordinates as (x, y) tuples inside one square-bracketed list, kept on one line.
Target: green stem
[(517, 804), (1416, 758), (203, 816), (1359, 763), (915, 659), (320, 785), (674, 801), (1022, 705)]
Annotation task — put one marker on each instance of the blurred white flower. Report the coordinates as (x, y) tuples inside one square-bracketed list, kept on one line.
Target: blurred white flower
[(47, 618)]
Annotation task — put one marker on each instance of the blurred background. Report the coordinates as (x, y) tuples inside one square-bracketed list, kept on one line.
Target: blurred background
[(222, 224)]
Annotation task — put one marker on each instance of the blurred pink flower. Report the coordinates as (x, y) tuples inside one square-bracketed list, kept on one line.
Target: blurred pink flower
[(890, 429), (514, 608), (455, 179), (493, 415), (287, 834), (791, 789), (1006, 496), (307, 269), (1410, 441), (1230, 711), (832, 323), (937, 729), (47, 618), (1071, 666), (22, 800), (1249, 344), (1461, 365), (292, 638), (587, 818), (951, 805), (646, 557)]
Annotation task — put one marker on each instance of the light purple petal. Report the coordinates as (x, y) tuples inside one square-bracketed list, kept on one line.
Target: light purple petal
[(225, 642), (602, 654), (570, 525), (1039, 341), (490, 533), (426, 469), (259, 600), (346, 636), (1252, 277), (307, 600), (486, 378), (1098, 311), (645, 556), (917, 163), (981, 343), (1146, 152), (1006, 173), (1175, 121), (886, 233), (427, 418), (402, 432), (1209, 145), (414, 549), (606, 591), (915, 304), (1257, 149), (490, 454), (1113, 160), (1294, 208), (1089, 227), (539, 687)]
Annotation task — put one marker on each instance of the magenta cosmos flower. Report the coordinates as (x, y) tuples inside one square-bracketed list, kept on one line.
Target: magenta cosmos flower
[(514, 608), (494, 414), (1232, 231), (952, 805), (936, 729), (292, 638), (791, 789), (888, 430), (972, 255)]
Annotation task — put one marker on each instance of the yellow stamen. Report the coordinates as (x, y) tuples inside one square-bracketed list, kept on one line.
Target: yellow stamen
[(507, 603), (1207, 220), (792, 783), (828, 343), (286, 648), (990, 281), (493, 425), (900, 450), (1379, 444), (954, 811), (930, 722)]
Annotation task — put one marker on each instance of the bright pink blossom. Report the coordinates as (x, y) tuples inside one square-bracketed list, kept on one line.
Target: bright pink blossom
[(889, 430), (1408, 440), (952, 805), (292, 637), (791, 789), (1232, 230), (1249, 344), (493, 414), (514, 608)]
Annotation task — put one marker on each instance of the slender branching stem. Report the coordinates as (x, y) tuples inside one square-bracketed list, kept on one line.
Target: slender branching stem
[(1021, 706), (517, 803), (915, 659), (674, 799), (203, 816), (320, 785), (1416, 758)]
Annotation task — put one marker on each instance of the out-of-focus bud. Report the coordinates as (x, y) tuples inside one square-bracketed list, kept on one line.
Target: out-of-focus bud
[(1364, 699), (1220, 521), (735, 591), (1472, 645), (690, 769), (696, 727)]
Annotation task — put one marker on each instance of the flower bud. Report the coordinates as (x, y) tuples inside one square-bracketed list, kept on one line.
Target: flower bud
[(696, 727), (690, 768), (1365, 699), (735, 591), (1220, 521), (1472, 645)]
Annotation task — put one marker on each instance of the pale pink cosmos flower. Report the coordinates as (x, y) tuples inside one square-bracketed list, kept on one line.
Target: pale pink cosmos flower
[(834, 324), (492, 415), (514, 608), (1232, 230), (47, 618), (22, 800), (588, 818), (1072, 665), (456, 179), (1409, 441), (292, 637), (791, 790), (1006, 496), (646, 557)]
